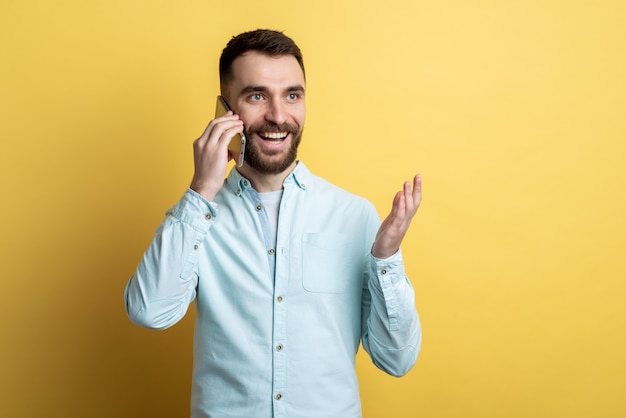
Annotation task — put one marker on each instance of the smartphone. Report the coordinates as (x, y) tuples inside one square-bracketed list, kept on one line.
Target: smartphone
[(237, 145)]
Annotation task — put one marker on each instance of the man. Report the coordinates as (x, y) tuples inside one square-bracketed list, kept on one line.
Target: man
[(288, 272)]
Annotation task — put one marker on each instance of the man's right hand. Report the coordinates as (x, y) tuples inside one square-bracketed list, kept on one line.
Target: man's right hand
[(210, 154)]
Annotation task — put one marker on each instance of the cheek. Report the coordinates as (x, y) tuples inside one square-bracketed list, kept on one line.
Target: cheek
[(299, 115), (250, 118)]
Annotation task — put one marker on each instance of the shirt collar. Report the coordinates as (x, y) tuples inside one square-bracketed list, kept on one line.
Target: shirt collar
[(300, 177)]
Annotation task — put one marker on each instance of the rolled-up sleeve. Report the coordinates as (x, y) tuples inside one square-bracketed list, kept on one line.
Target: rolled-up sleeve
[(158, 294), (391, 327)]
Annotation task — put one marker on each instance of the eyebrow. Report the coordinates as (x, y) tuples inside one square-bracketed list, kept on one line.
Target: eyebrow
[(262, 89)]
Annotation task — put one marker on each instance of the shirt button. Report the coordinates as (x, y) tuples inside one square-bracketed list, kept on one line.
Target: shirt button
[(278, 396), (279, 299), (208, 217), (195, 247), (383, 271), (259, 207), (245, 183), (271, 251), (279, 347)]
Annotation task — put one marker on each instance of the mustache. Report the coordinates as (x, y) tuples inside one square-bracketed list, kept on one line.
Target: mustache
[(272, 127)]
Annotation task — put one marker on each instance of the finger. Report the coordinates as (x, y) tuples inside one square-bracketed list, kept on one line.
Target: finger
[(218, 138), (229, 116), (417, 190), (223, 131), (228, 134), (408, 196), (417, 184), (222, 124), (398, 207), (407, 190)]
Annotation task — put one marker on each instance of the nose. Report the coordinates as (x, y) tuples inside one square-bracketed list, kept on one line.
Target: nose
[(276, 112)]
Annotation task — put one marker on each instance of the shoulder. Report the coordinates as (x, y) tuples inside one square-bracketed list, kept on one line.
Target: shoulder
[(324, 190)]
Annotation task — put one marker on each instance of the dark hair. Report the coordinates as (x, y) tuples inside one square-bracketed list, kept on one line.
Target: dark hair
[(268, 42)]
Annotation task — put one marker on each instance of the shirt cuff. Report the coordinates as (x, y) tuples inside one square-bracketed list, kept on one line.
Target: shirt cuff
[(390, 269), (195, 211)]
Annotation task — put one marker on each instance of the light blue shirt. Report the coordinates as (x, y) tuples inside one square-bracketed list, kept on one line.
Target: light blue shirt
[(278, 326)]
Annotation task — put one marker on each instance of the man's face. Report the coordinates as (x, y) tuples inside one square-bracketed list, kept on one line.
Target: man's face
[(268, 95)]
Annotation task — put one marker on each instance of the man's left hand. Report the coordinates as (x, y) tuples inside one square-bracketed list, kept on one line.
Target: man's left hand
[(395, 226)]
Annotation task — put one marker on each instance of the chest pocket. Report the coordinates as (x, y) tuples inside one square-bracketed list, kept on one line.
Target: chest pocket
[(328, 263)]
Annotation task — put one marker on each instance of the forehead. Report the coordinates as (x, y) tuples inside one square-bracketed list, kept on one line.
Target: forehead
[(260, 70)]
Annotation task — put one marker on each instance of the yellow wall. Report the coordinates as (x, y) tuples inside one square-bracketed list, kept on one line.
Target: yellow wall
[(513, 111)]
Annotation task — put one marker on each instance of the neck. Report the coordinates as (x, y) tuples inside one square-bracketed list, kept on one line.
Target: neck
[(263, 182)]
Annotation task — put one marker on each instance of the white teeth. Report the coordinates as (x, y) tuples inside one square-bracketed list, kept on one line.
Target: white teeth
[(274, 135)]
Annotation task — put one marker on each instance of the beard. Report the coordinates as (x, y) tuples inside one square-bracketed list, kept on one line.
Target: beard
[(266, 162)]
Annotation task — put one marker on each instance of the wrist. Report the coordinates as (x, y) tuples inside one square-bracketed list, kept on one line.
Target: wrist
[(383, 253), (206, 191)]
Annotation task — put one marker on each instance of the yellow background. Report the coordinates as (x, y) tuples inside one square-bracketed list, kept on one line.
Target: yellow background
[(513, 111)]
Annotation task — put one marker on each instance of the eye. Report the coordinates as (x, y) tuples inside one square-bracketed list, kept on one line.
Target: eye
[(293, 96), (256, 97)]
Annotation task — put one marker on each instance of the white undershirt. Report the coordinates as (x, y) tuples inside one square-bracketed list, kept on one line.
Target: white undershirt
[(271, 201)]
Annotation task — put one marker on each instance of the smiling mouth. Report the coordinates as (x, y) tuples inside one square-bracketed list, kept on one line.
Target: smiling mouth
[(273, 136)]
